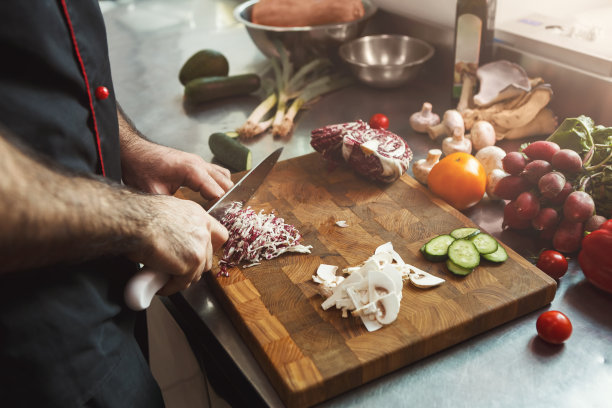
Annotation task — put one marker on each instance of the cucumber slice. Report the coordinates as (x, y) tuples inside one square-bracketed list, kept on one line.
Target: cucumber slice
[(484, 243), (230, 152), (458, 270), (464, 254), (466, 232), (436, 249), (500, 255)]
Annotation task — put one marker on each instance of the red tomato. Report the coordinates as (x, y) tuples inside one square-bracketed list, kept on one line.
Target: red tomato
[(553, 263), (554, 327), (379, 121)]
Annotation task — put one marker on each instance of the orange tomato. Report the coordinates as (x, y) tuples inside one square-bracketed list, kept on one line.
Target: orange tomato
[(460, 179)]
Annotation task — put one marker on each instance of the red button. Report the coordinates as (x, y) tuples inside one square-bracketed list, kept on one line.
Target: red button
[(102, 92)]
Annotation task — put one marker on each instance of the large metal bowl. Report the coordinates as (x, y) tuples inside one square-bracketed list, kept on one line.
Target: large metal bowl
[(386, 61), (303, 43)]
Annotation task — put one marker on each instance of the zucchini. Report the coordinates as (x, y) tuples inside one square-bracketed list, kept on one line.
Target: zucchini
[(463, 253), (466, 232), (436, 249), (458, 270), (204, 63), (229, 151), (500, 255), (208, 89), (484, 243)]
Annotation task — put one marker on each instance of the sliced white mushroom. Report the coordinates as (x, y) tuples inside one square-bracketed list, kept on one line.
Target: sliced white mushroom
[(396, 276), (325, 273), (388, 308), (342, 224), (373, 290), (386, 247), (380, 284), (340, 290), (422, 279)]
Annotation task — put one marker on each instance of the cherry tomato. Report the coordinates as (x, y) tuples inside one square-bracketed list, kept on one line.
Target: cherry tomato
[(554, 327), (553, 263), (379, 121)]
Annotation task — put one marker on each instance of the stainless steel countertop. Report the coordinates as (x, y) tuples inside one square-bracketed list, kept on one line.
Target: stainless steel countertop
[(505, 367)]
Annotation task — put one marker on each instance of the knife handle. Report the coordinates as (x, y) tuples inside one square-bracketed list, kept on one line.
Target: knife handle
[(142, 287)]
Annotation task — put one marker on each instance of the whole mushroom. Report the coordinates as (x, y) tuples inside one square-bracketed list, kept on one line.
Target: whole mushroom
[(420, 121), (482, 134), (422, 167), (451, 120), (456, 143)]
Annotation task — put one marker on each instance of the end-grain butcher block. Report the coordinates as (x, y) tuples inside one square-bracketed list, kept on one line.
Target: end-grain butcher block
[(310, 354)]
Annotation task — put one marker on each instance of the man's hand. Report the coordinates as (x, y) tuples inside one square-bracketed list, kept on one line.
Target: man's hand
[(153, 168), (180, 241)]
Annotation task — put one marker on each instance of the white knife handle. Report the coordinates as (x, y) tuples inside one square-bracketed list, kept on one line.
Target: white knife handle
[(142, 287)]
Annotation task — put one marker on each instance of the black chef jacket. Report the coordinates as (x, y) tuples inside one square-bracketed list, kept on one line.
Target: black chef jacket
[(66, 337)]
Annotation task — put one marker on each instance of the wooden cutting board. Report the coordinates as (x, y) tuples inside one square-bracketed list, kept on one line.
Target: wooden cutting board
[(310, 354)]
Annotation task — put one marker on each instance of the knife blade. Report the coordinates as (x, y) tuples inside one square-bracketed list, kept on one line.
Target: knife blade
[(143, 286)]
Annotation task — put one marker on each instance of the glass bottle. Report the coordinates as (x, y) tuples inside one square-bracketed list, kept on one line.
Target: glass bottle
[(474, 25)]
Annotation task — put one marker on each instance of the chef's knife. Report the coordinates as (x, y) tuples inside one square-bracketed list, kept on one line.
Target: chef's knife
[(141, 288)]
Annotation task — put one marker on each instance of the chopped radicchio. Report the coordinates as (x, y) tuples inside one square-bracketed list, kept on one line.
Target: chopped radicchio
[(375, 153), (256, 236)]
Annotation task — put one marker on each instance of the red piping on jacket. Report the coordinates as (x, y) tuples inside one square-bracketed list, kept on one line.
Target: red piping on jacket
[(91, 107)]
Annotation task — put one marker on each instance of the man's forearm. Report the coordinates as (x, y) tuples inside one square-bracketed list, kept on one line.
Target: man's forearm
[(49, 217)]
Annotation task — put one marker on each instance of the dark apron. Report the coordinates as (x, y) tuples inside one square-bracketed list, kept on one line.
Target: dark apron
[(66, 337)]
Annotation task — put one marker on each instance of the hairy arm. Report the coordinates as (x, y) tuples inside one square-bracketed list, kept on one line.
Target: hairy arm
[(50, 216)]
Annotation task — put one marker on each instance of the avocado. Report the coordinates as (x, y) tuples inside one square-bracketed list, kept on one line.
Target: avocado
[(204, 63)]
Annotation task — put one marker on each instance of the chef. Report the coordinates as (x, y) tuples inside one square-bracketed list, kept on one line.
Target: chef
[(71, 234)]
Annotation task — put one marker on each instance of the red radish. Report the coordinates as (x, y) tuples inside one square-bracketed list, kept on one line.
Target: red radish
[(578, 206), (559, 199), (568, 236), (551, 184), (514, 162), (567, 161), (527, 205), (536, 169), (594, 222), (509, 187), (541, 150), (546, 219), (511, 218)]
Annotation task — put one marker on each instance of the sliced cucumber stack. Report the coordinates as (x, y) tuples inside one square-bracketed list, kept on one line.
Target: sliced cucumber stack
[(466, 232), (463, 253), (499, 256), (436, 249), (484, 243), (462, 249)]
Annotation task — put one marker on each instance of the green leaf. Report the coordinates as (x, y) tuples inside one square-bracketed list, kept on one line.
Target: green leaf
[(575, 134)]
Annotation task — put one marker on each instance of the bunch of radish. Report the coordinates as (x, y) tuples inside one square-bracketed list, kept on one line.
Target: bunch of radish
[(542, 197)]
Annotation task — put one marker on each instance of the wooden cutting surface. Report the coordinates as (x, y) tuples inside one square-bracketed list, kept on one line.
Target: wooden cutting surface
[(310, 354)]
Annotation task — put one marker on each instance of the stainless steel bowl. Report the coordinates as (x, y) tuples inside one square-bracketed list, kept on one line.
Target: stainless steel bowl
[(303, 43), (386, 61)]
